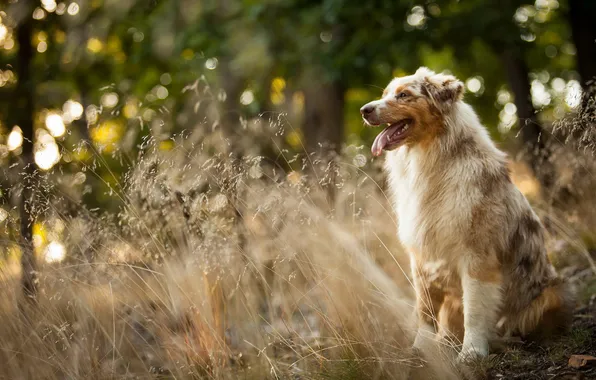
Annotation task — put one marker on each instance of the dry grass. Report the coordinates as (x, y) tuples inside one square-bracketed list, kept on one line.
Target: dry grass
[(220, 267)]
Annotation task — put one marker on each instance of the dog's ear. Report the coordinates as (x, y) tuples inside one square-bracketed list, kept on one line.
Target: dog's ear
[(443, 90)]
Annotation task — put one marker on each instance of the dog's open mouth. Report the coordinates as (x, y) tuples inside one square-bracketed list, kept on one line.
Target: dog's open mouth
[(391, 137)]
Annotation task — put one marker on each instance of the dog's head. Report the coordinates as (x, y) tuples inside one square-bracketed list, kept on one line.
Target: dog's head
[(413, 107)]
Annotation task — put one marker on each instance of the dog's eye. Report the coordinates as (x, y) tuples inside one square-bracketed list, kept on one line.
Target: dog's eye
[(401, 95)]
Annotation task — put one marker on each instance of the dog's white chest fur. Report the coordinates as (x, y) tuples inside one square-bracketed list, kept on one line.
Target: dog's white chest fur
[(406, 196), (433, 209)]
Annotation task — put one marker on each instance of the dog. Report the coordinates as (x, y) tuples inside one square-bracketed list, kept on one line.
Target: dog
[(478, 259)]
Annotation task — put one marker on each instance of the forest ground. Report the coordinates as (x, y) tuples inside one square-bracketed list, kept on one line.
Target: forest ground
[(550, 360)]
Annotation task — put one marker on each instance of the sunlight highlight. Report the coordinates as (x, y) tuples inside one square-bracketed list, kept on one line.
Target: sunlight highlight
[(161, 92), (507, 117), (47, 153), (558, 84), (54, 253), (49, 5), (247, 97), (540, 96), (474, 85), (107, 135), (130, 110), (109, 99), (55, 124), (278, 86), (42, 47), (3, 33), (417, 17), (15, 139), (211, 64), (39, 14), (72, 109), (503, 97), (574, 94), (94, 45), (73, 9)]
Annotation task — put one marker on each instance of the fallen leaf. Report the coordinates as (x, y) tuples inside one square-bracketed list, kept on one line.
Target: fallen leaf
[(580, 361)]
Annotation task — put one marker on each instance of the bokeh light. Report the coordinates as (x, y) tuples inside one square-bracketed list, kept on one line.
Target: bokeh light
[(47, 153), (92, 114), (109, 99), (60, 9), (416, 18), (3, 33), (130, 110), (165, 79), (55, 124), (211, 63), (107, 135), (503, 97), (475, 85), (247, 97), (161, 92), (42, 47), (73, 9), (574, 94), (39, 14), (510, 108), (94, 45), (540, 96), (49, 5), (278, 86), (15, 139), (326, 36), (558, 84), (73, 109), (54, 252)]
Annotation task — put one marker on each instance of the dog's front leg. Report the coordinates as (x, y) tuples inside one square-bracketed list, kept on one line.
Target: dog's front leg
[(481, 283), (428, 302)]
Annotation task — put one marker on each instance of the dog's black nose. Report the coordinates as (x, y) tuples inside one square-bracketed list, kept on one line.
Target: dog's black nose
[(367, 109)]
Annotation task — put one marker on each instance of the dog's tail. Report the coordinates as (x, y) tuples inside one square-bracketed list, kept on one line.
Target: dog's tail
[(549, 313)]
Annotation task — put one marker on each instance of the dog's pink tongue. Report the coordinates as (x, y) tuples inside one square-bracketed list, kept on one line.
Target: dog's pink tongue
[(380, 142)]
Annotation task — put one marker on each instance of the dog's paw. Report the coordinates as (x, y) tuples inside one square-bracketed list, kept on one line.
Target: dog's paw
[(472, 352)]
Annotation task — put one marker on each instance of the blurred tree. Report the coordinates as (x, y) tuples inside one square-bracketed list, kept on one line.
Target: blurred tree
[(581, 19), (24, 96)]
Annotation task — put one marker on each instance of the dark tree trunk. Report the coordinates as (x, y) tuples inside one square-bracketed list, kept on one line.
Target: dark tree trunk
[(81, 124), (323, 129), (583, 31), (24, 93), (534, 139), (323, 117)]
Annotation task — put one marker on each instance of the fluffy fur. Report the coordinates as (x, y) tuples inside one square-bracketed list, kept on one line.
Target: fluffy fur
[(476, 246)]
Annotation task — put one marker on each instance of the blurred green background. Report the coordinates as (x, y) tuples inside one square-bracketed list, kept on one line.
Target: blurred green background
[(88, 83)]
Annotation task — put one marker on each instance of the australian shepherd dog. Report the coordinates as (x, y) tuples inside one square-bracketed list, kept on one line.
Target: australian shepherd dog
[(478, 259)]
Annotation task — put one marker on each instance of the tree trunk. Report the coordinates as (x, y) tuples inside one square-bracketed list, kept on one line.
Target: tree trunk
[(583, 31), (323, 117), (84, 91), (323, 129), (535, 141), (24, 94)]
